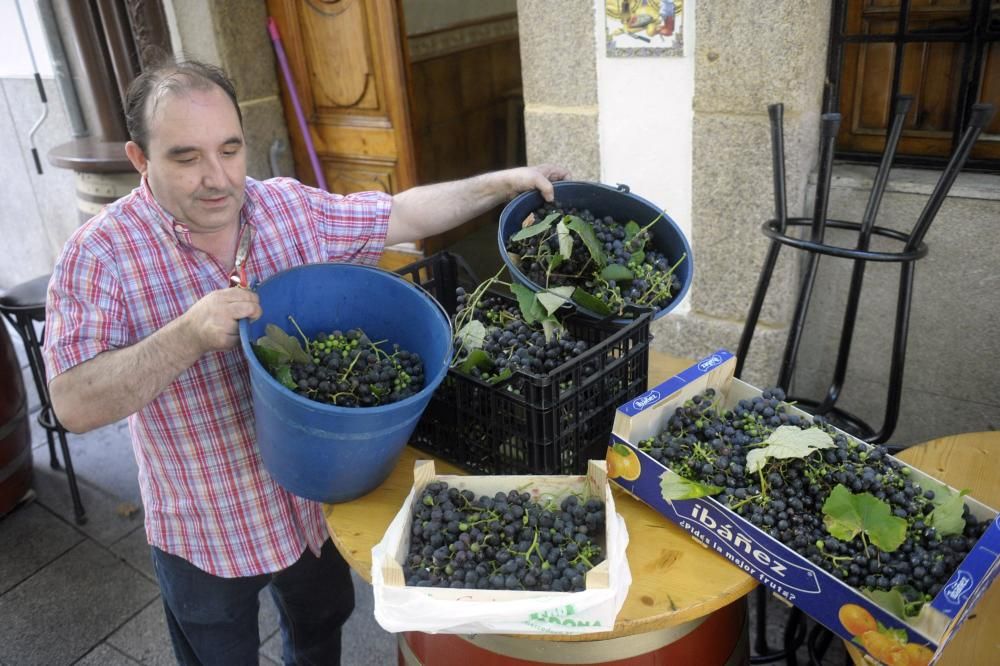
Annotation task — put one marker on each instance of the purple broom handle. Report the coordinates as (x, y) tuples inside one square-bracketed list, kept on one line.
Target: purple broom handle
[(279, 50)]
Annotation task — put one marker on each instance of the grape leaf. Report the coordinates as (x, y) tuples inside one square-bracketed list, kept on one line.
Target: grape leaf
[(551, 326), (289, 343), (284, 377), (947, 516), (617, 272), (269, 356), (565, 240), (846, 515), (586, 233), (555, 298), (637, 258), (506, 373), (591, 302), (536, 228), (673, 486), (472, 335), (788, 442), (941, 491), (281, 347), (531, 309), (555, 260), (631, 229), (478, 358), (895, 600)]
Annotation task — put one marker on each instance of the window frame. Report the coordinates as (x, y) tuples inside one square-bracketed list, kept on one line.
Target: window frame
[(976, 38)]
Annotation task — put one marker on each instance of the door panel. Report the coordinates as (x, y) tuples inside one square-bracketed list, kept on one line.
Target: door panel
[(350, 68)]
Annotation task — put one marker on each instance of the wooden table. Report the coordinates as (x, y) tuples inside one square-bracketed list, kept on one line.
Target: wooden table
[(964, 461), (676, 582)]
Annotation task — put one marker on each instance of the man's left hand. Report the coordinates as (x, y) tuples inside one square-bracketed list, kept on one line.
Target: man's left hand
[(538, 178)]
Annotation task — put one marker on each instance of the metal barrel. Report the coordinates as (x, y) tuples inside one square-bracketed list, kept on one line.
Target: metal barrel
[(718, 639), (94, 191)]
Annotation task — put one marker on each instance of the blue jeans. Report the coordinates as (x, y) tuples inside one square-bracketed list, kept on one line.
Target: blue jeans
[(213, 620)]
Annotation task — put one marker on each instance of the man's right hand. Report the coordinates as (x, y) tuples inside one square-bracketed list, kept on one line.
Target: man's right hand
[(213, 320), (108, 387)]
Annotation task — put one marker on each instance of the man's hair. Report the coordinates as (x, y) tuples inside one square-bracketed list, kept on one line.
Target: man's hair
[(170, 77)]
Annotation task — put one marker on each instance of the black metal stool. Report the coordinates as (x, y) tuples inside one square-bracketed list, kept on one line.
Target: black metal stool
[(23, 306), (912, 249)]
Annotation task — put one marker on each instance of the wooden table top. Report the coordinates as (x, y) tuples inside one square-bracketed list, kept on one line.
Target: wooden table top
[(674, 578), (965, 461)]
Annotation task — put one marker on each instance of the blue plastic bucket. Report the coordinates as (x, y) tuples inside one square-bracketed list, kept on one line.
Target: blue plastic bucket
[(320, 451), (602, 200)]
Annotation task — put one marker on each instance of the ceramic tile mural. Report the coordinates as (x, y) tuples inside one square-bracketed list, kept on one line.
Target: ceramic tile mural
[(644, 27)]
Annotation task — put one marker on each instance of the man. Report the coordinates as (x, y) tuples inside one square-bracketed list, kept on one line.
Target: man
[(141, 324)]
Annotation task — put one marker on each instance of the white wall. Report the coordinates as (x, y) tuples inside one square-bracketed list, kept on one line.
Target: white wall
[(14, 55), (646, 122), (37, 211)]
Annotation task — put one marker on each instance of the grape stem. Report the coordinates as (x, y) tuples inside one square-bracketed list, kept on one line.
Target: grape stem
[(296, 325), (657, 286)]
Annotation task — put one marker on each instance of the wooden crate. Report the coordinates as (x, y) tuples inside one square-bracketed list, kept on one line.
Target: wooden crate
[(594, 484)]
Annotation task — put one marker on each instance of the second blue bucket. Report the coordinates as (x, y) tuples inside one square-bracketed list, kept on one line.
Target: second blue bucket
[(323, 452), (602, 200)]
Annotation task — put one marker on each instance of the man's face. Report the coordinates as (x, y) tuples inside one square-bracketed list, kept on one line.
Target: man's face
[(195, 162)]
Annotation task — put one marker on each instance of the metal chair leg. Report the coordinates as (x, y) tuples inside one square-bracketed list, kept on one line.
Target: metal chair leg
[(47, 418), (53, 460), (819, 642), (794, 635), (74, 490), (760, 645)]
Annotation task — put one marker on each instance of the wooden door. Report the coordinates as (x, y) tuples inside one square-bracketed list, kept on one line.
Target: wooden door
[(349, 64)]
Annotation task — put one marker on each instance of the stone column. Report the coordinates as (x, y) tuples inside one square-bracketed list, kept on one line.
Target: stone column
[(748, 55), (559, 74)]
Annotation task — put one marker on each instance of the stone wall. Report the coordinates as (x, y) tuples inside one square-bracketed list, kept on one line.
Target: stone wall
[(559, 73), (747, 55), (951, 381)]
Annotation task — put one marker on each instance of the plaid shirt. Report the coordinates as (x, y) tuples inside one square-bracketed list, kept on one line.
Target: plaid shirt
[(132, 269)]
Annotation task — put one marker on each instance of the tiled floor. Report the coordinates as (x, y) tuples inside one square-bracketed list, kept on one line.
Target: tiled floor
[(87, 594)]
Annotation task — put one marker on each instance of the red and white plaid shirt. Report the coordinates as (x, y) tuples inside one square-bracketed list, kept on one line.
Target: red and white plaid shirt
[(132, 269)]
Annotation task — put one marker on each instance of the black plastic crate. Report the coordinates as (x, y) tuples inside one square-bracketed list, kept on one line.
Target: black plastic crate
[(529, 424)]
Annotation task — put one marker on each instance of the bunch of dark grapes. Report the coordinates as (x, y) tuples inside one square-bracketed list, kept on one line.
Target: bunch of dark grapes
[(349, 370), (504, 542), (654, 285), (704, 443), (514, 345)]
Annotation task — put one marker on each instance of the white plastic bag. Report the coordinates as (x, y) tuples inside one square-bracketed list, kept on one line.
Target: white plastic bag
[(406, 608)]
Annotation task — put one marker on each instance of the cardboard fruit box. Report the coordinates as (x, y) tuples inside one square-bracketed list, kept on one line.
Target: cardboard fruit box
[(787, 573), (399, 607)]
